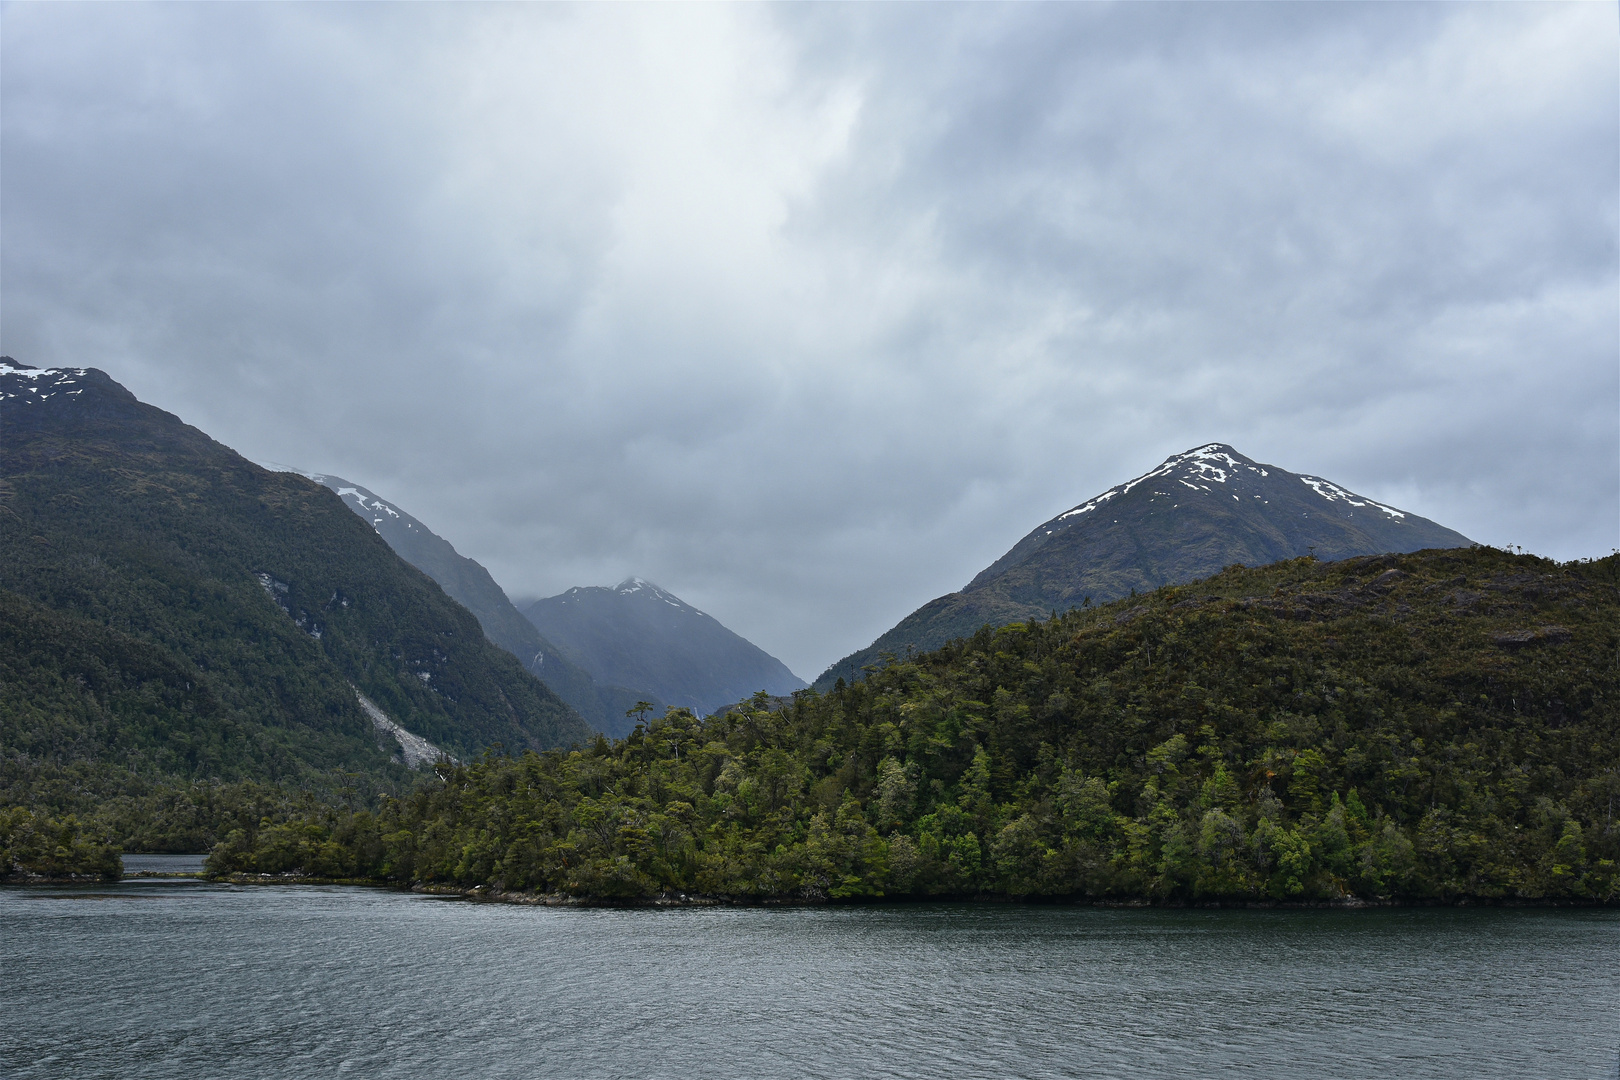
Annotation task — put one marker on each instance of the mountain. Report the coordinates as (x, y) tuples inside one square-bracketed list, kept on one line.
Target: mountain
[(172, 610), (470, 585), (1438, 727), (636, 634), (1196, 513)]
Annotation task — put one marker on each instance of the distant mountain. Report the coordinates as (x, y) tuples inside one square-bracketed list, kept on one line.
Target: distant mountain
[(173, 611), (636, 634), (470, 585), (1195, 514)]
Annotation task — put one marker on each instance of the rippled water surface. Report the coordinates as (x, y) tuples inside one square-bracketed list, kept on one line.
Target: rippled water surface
[(164, 978)]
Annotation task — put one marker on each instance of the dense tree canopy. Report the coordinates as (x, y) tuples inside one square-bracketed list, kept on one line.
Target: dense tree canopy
[(1439, 725), (171, 612)]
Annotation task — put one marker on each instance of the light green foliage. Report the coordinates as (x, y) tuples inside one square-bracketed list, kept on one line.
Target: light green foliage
[(896, 793)]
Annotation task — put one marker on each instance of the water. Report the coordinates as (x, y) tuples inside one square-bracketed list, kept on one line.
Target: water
[(175, 978), (163, 864)]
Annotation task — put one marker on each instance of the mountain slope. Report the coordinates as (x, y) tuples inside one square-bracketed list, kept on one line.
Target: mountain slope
[(636, 634), (1199, 511), (1436, 727), (175, 610), (468, 583)]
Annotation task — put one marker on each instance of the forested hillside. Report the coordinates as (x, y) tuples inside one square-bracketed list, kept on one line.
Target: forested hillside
[(172, 613), (1433, 726)]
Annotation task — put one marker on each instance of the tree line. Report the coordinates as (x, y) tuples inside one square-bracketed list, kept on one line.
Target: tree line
[(1429, 727)]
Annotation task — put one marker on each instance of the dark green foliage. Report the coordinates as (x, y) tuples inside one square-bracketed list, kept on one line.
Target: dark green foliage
[(74, 691), (36, 846), (80, 817), (174, 611), (1437, 726), (160, 814)]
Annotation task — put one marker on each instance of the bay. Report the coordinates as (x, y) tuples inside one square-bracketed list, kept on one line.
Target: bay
[(174, 978)]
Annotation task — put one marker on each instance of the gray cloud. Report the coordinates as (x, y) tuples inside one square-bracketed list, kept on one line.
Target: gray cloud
[(808, 313)]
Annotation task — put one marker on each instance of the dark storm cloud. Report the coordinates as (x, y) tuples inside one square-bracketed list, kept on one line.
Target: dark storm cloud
[(808, 313)]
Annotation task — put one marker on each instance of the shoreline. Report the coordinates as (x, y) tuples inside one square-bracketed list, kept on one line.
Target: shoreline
[(486, 894)]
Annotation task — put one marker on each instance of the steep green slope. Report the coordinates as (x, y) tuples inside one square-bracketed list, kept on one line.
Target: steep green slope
[(1434, 726), (73, 690), (467, 582), (174, 610), (1197, 512)]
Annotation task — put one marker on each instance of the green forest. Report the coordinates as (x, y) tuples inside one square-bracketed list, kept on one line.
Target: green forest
[(1434, 727), (176, 622)]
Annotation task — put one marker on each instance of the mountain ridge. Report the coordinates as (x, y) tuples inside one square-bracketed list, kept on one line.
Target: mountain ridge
[(178, 611), (636, 632), (1196, 512), (468, 583)]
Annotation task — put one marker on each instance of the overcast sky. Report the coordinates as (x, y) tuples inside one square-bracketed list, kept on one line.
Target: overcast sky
[(809, 313)]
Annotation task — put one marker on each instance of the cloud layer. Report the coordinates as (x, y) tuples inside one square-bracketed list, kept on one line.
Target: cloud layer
[(809, 313)]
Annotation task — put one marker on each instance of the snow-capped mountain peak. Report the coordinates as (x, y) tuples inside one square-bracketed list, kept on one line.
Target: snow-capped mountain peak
[(1198, 471), (1196, 512), (632, 585), (31, 385)]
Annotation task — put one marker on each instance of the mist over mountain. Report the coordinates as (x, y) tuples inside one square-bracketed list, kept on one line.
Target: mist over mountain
[(1194, 514), (637, 634), (175, 612), (469, 584)]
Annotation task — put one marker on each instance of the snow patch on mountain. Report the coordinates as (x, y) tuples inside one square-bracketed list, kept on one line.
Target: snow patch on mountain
[(1204, 463), (366, 504), (634, 585), (1200, 468), (371, 507), (31, 385), (1334, 493)]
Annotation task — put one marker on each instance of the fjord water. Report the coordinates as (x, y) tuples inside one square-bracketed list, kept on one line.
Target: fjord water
[(164, 978)]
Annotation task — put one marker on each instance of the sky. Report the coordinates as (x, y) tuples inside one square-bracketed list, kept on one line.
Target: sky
[(809, 313)]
